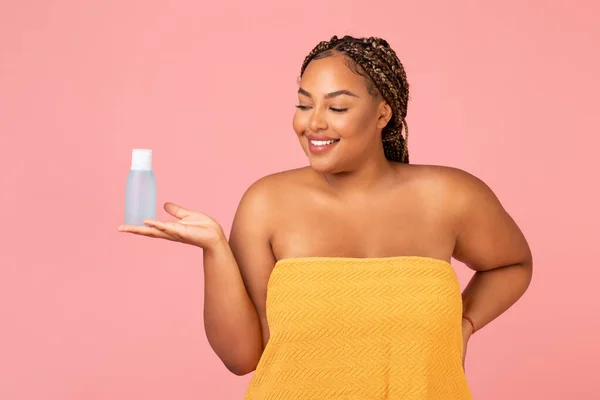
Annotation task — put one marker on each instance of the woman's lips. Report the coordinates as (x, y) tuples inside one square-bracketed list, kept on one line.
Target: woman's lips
[(321, 144)]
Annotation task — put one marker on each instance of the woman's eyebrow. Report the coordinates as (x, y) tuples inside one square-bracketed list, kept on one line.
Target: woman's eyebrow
[(329, 95)]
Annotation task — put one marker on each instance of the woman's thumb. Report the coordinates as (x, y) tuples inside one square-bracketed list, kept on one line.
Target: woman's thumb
[(176, 211)]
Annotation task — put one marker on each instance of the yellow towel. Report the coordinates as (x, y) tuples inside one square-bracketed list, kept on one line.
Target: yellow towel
[(362, 328)]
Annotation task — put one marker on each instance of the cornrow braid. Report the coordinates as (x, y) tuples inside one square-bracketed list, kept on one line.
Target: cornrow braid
[(374, 59)]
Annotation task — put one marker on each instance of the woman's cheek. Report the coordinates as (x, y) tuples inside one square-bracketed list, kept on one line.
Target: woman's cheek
[(343, 126), (298, 124)]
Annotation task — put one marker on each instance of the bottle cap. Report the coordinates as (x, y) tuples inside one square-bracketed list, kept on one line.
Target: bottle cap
[(141, 159)]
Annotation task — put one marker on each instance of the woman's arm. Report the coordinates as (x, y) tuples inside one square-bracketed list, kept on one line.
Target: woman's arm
[(236, 276), (489, 242), (235, 273)]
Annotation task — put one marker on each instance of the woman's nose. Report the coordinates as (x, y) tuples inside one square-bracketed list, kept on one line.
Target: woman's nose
[(317, 121)]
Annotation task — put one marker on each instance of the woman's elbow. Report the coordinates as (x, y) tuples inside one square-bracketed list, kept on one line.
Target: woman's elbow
[(240, 369), (243, 362)]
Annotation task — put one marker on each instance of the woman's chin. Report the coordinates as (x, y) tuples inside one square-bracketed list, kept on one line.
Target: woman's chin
[(323, 165)]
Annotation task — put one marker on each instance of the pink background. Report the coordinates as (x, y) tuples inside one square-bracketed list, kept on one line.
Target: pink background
[(506, 91)]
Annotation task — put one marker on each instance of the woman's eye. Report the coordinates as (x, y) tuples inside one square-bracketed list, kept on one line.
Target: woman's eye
[(336, 110)]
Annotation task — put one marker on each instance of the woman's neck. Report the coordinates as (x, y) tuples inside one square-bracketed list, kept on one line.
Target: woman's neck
[(363, 179)]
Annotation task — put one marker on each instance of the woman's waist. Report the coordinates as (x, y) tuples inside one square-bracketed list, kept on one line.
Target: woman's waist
[(366, 314), (351, 346), (370, 328)]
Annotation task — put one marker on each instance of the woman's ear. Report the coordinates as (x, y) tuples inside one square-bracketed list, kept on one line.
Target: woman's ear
[(384, 115)]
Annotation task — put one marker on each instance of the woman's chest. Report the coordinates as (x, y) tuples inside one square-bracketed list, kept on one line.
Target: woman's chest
[(378, 229)]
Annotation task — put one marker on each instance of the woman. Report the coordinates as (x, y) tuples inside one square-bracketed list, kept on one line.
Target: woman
[(336, 280)]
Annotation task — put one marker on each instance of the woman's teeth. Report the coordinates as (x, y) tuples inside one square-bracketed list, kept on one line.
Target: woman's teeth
[(323, 142)]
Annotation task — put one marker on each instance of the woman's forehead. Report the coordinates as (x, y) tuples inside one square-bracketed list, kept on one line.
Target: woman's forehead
[(331, 74)]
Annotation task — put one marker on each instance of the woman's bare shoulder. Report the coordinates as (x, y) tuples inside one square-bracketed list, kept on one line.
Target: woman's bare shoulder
[(272, 187), (452, 190), (443, 178), (292, 176)]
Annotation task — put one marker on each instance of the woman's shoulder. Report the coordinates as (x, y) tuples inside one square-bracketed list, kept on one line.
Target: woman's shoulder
[(284, 180), (454, 190), (443, 177), (282, 183)]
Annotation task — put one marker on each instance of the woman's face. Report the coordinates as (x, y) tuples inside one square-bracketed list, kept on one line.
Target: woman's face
[(337, 121)]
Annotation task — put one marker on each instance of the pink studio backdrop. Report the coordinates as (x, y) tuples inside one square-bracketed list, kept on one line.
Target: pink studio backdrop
[(507, 91)]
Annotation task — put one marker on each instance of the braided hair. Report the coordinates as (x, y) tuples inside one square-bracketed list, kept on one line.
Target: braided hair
[(375, 60)]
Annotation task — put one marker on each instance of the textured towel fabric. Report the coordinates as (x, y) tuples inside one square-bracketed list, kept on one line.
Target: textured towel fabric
[(362, 328)]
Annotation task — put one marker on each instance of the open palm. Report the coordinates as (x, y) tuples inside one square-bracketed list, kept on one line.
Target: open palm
[(192, 227)]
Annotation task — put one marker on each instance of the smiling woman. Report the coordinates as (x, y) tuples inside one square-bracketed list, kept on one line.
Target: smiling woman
[(370, 100), (319, 144), (336, 280)]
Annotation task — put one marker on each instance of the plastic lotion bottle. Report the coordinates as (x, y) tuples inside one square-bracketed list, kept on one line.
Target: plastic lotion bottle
[(140, 197)]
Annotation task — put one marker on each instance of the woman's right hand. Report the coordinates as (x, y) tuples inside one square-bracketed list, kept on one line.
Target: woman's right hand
[(192, 228)]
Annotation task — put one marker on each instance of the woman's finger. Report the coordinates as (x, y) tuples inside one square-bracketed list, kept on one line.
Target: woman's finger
[(148, 231), (177, 211), (174, 229), (155, 224)]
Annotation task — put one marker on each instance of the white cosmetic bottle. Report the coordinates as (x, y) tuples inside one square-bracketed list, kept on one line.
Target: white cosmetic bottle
[(140, 196)]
